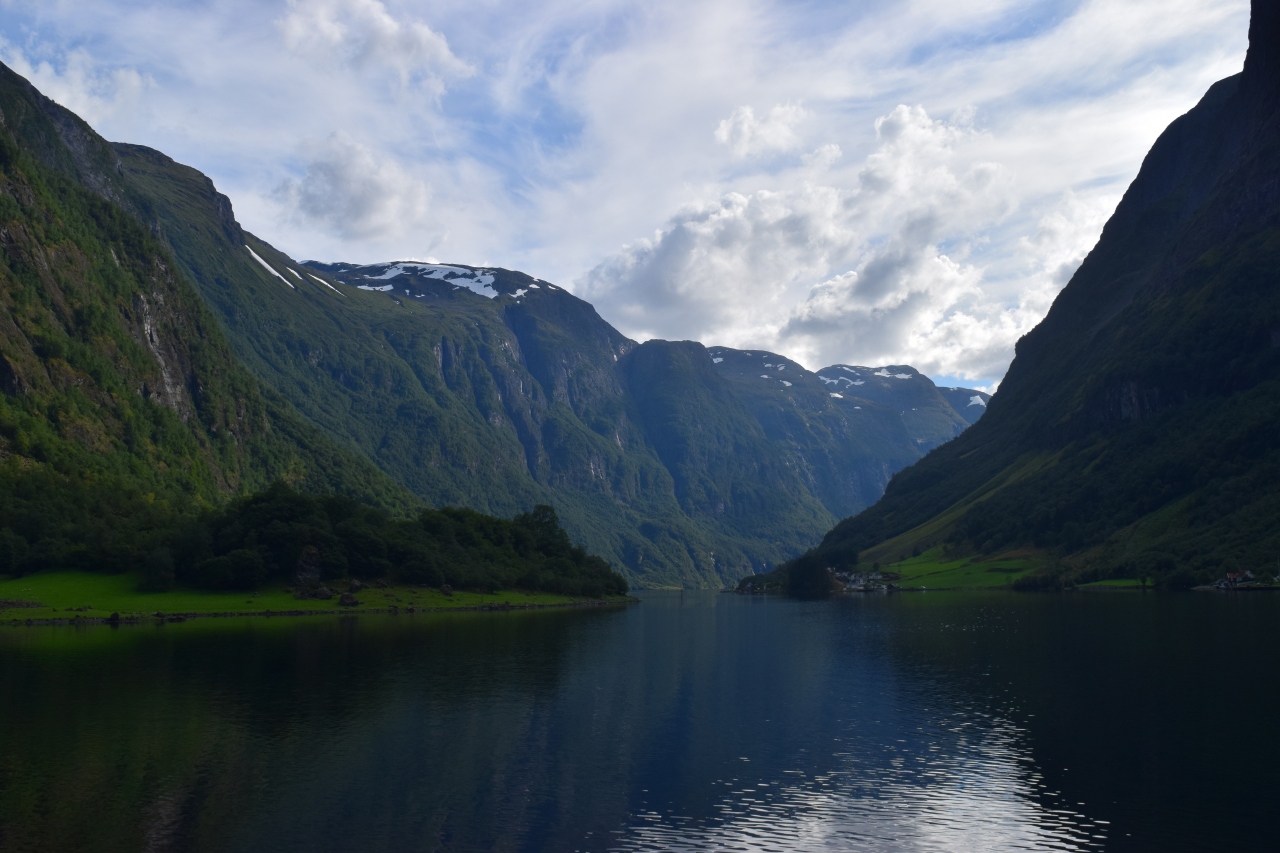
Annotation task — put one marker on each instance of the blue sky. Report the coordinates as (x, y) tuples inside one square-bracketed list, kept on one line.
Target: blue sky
[(898, 181)]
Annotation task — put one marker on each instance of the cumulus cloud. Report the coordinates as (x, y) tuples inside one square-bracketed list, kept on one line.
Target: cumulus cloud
[(828, 273), (362, 33), (569, 128), (748, 136), (98, 95), (353, 192)]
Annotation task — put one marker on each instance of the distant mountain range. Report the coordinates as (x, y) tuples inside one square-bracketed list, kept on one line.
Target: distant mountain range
[(133, 296), (1137, 432)]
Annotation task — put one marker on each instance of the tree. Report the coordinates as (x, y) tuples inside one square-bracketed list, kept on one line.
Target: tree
[(809, 577)]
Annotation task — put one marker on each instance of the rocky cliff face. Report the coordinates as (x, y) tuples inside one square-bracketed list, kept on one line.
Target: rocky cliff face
[(1144, 395)]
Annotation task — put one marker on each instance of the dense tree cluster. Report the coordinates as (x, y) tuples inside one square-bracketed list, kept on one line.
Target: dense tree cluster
[(49, 522), (280, 534), (808, 576)]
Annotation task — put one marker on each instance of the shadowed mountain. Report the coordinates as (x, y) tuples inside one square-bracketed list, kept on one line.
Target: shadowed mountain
[(1135, 433)]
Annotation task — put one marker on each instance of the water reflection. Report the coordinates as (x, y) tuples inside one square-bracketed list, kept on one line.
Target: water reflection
[(689, 722), (983, 797), (888, 756)]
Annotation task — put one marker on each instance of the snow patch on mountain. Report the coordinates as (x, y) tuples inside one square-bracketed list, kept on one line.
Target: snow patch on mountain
[(326, 284), (477, 281), (975, 400), (270, 269)]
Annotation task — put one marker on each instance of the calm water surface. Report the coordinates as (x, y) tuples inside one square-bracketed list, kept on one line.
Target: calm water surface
[(692, 721)]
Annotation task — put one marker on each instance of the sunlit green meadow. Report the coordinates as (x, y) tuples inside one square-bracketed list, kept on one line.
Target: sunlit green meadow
[(66, 595), (931, 570)]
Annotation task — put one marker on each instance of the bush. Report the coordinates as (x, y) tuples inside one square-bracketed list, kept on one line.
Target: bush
[(13, 552), (809, 577), (157, 571), (239, 569)]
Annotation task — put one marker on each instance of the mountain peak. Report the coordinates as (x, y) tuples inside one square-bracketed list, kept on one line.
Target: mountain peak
[(1262, 65)]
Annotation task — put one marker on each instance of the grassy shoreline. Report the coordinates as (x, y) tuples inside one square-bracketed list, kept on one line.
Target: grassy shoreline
[(932, 571), (85, 597)]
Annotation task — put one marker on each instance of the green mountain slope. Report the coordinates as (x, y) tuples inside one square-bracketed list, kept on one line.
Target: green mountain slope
[(492, 390), (119, 396), (843, 444), (485, 389), (1135, 433), (489, 389), (130, 398)]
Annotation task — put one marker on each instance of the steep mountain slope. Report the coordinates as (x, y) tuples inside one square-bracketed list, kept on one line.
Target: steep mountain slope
[(928, 413), (489, 389), (118, 392), (967, 403), (1135, 433), (845, 444)]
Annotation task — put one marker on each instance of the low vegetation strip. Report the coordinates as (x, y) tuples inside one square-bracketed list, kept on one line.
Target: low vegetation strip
[(813, 576), (932, 570), (86, 596), (319, 547)]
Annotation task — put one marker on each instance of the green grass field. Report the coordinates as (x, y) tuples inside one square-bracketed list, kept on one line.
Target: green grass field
[(64, 595), (1114, 583), (929, 570)]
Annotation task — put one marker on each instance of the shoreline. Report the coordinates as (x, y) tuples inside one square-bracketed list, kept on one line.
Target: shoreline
[(159, 617)]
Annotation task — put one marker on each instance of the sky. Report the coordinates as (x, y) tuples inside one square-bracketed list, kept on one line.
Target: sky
[(879, 182)]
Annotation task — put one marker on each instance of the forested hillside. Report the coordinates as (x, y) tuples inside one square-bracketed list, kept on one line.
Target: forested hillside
[(490, 389), (458, 386), (121, 401)]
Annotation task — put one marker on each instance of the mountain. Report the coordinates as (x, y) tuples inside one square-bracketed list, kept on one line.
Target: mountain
[(120, 397), (967, 403), (493, 390), (1135, 433), (152, 347)]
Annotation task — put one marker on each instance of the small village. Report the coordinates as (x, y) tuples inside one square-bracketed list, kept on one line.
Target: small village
[(875, 581), (1244, 581)]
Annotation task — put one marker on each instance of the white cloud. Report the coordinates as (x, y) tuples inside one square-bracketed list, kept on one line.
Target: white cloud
[(822, 157), (829, 274), (77, 82), (362, 33), (746, 136), (545, 136), (352, 192)]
